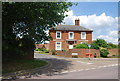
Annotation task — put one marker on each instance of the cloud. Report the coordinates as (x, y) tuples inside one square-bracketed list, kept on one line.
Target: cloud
[(93, 0), (103, 26), (110, 37)]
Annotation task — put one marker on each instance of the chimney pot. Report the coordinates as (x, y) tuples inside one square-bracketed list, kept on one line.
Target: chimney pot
[(77, 22)]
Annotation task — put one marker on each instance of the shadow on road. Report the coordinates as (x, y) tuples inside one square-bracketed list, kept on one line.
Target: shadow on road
[(56, 66)]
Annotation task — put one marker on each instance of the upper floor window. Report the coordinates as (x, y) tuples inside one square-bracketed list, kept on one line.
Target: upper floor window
[(83, 35), (58, 35), (71, 35)]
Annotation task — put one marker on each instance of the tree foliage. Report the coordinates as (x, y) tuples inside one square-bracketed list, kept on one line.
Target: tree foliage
[(25, 23), (111, 46), (94, 46), (101, 43), (97, 44)]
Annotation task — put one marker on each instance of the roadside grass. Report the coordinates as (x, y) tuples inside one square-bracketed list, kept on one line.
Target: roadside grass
[(18, 65), (109, 57), (41, 52)]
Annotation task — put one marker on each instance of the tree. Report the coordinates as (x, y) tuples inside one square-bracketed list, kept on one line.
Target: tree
[(25, 23), (94, 46), (104, 52), (111, 46), (101, 43)]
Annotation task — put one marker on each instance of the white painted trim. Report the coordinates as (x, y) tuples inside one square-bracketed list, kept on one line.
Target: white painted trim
[(82, 40), (57, 40), (82, 36), (56, 45), (60, 34), (69, 35)]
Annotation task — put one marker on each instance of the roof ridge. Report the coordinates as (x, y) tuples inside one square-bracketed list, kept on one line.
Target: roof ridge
[(72, 27)]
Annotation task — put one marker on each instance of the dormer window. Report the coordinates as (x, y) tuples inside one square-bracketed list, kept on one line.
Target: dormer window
[(58, 34), (71, 35), (83, 35)]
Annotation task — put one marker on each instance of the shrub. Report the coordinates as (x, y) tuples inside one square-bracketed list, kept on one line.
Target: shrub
[(53, 52), (63, 50), (104, 52), (46, 51), (113, 55), (84, 45), (39, 49)]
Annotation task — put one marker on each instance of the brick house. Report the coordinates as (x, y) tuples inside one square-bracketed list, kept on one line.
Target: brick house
[(64, 37)]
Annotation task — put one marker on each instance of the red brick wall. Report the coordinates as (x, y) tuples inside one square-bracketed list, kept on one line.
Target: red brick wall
[(113, 52), (64, 36), (81, 52)]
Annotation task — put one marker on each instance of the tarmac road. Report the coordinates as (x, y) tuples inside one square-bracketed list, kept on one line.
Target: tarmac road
[(102, 73), (79, 68)]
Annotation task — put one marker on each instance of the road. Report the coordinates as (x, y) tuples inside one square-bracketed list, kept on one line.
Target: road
[(102, 73), (70, 68)]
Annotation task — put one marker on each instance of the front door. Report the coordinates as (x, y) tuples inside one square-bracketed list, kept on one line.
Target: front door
[(70, 46)]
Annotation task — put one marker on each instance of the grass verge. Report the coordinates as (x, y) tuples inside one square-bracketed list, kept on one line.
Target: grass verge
[(41, 52), (17, 65)]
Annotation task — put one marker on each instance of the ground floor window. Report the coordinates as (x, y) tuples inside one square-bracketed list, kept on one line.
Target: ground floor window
[(58, 45)]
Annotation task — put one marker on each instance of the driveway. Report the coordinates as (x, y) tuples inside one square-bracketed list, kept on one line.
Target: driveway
[(77, 66)]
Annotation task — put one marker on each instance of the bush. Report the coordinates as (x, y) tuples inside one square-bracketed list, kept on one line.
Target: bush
[(39, 49), (114, 55), (104, 52), (63, 50), (53, 52), (84, 46), (46, 51)]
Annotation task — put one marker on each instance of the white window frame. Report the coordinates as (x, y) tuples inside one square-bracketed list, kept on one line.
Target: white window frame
[(81, 42), (69, 35), (82, 35), (57, 45), (56, 34)]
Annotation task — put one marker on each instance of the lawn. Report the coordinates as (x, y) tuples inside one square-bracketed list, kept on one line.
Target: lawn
[(17, 65)]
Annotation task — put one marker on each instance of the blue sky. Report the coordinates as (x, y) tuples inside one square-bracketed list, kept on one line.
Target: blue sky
[(101, 17), (88, 8)]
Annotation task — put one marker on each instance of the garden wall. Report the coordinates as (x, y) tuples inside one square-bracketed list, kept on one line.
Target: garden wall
[(80, 53), (113, 52)]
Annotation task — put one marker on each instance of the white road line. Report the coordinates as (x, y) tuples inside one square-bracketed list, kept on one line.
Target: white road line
[(73, 71), (91, 68), (81, 70), (88, 69), (65, 72), (90, 63)]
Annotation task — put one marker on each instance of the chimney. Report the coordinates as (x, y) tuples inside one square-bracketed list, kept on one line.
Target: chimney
[(77, 22)]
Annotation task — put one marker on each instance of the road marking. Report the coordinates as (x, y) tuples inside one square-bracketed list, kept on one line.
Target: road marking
[(81, 70), (84, 62), (87, 69), (91, 68), (65, 72), (90, 63)]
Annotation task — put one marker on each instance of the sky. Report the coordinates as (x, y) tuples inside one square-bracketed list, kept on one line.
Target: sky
[(101, 17)]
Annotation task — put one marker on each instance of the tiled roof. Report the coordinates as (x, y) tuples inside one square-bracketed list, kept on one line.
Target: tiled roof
[(71, 27)]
